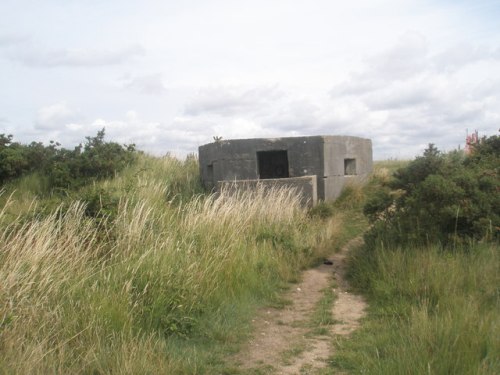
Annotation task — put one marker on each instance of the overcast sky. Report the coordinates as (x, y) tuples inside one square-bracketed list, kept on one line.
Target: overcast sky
[(169, 75)]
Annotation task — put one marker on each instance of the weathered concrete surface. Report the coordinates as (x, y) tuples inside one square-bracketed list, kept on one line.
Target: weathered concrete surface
[(237, 159), (305, 186), (322, 156)]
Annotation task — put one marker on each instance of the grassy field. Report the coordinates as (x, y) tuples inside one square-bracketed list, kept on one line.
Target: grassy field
[(144, 273)]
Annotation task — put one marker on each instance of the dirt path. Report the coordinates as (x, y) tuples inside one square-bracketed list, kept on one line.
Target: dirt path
[(283, 342)]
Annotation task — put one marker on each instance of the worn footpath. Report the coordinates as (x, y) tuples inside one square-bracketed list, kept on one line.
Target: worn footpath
[(283, 342)]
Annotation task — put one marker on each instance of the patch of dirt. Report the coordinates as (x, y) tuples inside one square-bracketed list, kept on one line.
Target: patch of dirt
[(283, 343)]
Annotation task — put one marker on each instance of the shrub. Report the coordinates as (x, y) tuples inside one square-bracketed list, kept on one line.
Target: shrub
[(63, 168), (447, 198), (92, 161), (13, 161)]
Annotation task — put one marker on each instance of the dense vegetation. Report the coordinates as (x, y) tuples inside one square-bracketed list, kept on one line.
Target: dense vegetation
[(134, 269), (61, 168), (440, 198), (430, 268), (142, 272)]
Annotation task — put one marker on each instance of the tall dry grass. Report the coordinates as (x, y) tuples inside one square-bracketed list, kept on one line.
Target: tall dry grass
[(172, 273)]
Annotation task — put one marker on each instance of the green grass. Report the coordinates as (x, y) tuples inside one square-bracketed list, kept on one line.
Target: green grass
[(168, 278), (431, 311), (164, 280), (322, 317)]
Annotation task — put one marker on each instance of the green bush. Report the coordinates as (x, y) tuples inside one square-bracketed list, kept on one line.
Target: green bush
[(447, 198), (13, 160), (94, 160), (17, 159), (64, 169)]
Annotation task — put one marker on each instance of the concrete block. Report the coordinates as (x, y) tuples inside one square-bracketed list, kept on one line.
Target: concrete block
[(305, 186)]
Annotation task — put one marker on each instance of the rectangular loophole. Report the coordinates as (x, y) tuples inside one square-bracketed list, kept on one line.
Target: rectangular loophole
[(349, 167), (273, 164)]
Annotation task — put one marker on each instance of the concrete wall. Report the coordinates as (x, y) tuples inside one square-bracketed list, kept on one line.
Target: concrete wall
[(322, 156), (336, 150), (237, 159), (306, 187)]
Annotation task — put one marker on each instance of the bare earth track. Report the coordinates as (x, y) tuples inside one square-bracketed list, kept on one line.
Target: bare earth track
[(283, 342)]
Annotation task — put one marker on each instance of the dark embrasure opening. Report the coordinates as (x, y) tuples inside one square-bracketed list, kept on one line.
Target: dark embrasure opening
[(273, 164)]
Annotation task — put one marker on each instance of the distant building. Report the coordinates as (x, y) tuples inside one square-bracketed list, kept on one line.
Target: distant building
[(318, 166)]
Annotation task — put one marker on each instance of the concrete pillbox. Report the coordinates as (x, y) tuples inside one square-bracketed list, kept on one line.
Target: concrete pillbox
[(329, 160)]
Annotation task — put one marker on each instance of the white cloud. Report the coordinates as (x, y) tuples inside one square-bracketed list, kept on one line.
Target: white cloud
[(402, 72), (154, 137), (54, 116), (73, 127), (250, 111), (401, 94), (233, 100), (74, 57), (459, 55), (404, 60), (421, 97), (9, 40), (298, 115), (150, 84)]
